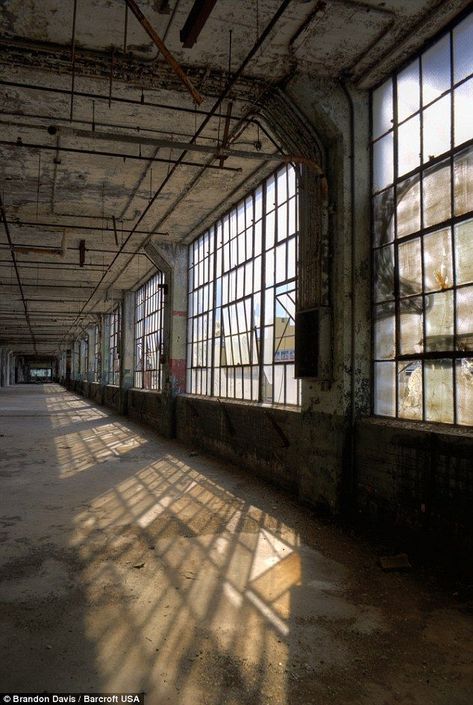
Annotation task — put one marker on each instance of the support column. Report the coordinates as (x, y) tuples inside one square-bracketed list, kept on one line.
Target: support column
[(127, 347)]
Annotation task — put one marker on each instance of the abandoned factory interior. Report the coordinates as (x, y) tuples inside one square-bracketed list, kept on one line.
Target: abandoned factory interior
[(236, 352)]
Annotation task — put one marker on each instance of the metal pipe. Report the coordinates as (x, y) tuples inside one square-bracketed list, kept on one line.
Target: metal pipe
[(168, 57), (70, 226), (12, 252), (74, 150)]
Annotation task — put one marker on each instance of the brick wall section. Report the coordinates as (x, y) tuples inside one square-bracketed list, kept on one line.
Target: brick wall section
[(417, 476)]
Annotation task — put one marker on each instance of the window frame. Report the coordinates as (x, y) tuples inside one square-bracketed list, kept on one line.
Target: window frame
[(450, 157), (149, 323)]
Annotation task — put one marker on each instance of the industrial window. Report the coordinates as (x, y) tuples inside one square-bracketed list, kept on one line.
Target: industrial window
[(97, 353), (422, 131), (114, 346), (84, 357), (149, 312), (242, 298)]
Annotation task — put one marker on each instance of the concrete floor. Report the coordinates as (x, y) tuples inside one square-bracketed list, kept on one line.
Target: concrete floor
[(129, 563)]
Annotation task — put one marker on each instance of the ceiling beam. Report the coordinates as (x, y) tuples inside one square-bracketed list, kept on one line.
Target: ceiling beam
[(195, 22)]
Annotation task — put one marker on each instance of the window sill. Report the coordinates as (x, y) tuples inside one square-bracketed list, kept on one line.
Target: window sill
[(241, 402), (430, 427)]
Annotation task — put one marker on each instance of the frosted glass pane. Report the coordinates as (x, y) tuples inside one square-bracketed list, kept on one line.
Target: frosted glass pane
[(436, 191), (409, 145), (278, 388), (384, 274), (410, 268), (383, 162), (464, 308), (463, 106), (436, 70), (439, 391), (463, 181), (382, 109), (384, 332), (439, 321), (463, 49), (383, 221), (438, 270), (410, 389), (410, 327), (384, 389), (437, 130), (408, 91), (464, 375), (408, 206), (464, 252)]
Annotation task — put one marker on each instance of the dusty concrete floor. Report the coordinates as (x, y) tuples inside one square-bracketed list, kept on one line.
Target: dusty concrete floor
[(129, 563)]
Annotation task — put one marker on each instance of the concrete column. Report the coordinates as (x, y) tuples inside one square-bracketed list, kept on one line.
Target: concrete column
[(127, 348)]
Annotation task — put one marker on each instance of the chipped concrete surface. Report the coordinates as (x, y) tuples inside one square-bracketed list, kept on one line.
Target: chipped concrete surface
[(129, 563)]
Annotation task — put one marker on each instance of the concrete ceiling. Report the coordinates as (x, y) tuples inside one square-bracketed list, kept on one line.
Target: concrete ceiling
[(82, 132)]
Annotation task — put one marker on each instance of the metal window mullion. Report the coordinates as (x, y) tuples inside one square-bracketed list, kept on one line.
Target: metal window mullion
[(452, 237), (263, 286), (214, 307), (421, 205)]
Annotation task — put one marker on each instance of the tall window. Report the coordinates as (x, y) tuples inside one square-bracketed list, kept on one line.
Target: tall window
[(84, 357), (149, 312), (114, 347), (422, 121), (242, 298), (97, 353)]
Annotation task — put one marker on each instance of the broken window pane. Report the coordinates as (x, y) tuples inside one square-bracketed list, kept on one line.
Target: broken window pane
[(438, 272), (438, 391), (410, 389)]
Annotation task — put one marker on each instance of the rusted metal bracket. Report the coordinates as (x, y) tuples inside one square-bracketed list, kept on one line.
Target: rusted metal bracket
[(176, 67)]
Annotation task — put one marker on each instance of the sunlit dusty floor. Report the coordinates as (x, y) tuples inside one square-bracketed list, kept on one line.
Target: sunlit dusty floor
[(131, 564)]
